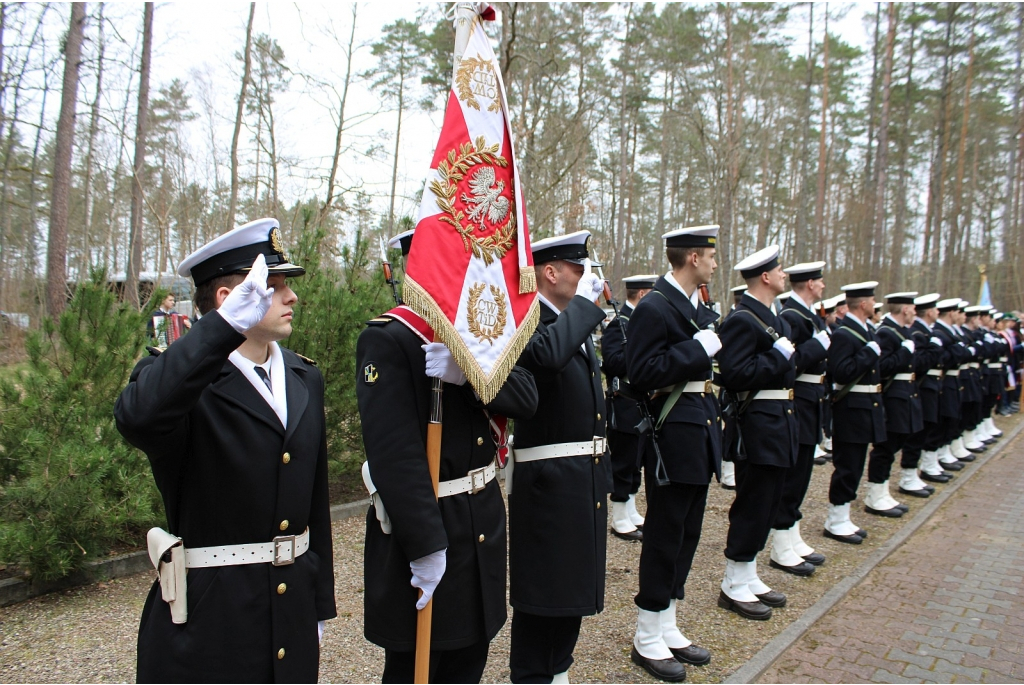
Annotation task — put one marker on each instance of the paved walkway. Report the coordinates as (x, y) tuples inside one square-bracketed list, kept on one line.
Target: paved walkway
[(948, 606)]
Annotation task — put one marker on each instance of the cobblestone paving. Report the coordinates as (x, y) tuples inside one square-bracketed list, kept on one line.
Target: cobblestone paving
[(947, 607)]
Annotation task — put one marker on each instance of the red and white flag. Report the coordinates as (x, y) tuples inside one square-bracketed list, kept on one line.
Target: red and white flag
[(470, 271)]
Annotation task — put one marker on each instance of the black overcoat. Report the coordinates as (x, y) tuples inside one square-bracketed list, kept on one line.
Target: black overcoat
[(394, 405), (927, 356), (217, 450), (903, 413), (662, 352), (749, 362), (970, 377), (557, 515), (954, 353), (811, 358), (858, 417), (623, 414)]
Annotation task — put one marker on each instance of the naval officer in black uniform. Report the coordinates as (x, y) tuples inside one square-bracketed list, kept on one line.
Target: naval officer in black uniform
[(233, 425), (810, 336), (623, 415), (453, 547), (858, 413), (756, 363), (561, 478), (903, 412), (671, 346)]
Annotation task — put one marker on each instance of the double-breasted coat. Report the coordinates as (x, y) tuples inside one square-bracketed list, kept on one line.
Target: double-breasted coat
[(858, 417), (811, 358), (394, 396), (623, 413), (927, 356), (954, 353), (748, 361), (662, 352), (229, 473), (903, 413), (557, 514)]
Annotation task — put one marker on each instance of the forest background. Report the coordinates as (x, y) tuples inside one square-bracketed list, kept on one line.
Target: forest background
[(897, 160)]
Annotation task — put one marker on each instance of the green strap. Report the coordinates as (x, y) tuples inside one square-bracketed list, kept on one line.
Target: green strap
[(802, 315), (767, 329), (677, 392), (853, 333)]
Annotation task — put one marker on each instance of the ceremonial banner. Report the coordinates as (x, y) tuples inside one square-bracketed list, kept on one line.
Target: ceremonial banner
[(470, 272)]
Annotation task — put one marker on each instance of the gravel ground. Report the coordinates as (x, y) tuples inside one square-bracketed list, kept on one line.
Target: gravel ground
[(88, 634)]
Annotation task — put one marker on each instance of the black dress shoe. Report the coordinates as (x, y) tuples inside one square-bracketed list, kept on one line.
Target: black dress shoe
[(632, 536), (893, 513), (903, 507), (772, 598), (816, 558), (976, 450), (917, 493), (802, 569), (943, 478), (951, 466), (849, 539), (969, 458), (669, 670), (819, 461), (756, 611), (862, 533), (728, 487), (930, 489), (693, 655)]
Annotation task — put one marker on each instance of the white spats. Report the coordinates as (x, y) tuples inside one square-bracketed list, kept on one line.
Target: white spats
[(648, 640), (799, 546), (783, 550), (621, 522), (728, 474), (838, 521), (634, 515), (738, 576), (670, 632)]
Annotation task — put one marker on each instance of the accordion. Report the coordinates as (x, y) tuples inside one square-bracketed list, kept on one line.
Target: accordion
[(168, 328)]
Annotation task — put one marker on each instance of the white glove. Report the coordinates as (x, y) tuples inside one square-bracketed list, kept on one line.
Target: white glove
[(784, 346), (426, 574), (250, 300), (441, 364), (823, 338), (875, 348), (710, 341), (320, 631), (936, 341), (590, 286), (973, 351), (909, 344)]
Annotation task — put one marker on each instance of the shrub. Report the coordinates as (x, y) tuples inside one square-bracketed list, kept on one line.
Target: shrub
[(70, 487)]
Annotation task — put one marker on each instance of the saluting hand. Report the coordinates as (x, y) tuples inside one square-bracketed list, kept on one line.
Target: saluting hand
[(250, 300), (590, 286)]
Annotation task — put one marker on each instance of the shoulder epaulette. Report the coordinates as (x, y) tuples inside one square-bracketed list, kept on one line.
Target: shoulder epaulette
[(379, 321), (153, 351), (309, 361)]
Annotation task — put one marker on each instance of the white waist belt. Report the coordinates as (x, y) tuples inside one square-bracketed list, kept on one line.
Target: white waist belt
[(810, 378), (995, 365), (586, 448), (953, 372), (974, 365), (767, 395), (1003, 359), (473, 482), (281, 551), (867, 389), (691, 386), (905, 377), (936, 372)]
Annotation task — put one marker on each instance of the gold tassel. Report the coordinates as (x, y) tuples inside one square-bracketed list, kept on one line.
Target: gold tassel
[(444, 331), (527, 280)]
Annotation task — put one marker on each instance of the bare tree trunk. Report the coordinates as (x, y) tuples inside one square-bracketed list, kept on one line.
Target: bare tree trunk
[(1009, 217), (958, 194), (882, 159), (899, 224), (398, 138), (725, 236), (94, 122), (139, 164), (819, 207), (246, 74), (803, 237), (57, 247), (336, 158)]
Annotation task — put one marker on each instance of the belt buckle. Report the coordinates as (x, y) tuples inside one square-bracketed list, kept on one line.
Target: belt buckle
[(477, 480), (284, 544), (913, 377), (708, 386), (791, 393), (599, 446)]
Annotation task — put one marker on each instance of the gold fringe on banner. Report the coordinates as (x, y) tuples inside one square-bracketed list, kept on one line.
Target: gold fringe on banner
[(444, 331), (527, 280)]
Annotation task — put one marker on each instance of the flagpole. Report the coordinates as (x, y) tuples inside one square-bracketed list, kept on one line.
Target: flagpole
[(465, 12)]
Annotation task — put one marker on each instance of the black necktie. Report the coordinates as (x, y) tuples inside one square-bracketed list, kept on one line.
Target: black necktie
[(262, 373)]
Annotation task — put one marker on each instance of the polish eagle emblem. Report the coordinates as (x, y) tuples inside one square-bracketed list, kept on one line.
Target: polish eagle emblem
[(487, 199)]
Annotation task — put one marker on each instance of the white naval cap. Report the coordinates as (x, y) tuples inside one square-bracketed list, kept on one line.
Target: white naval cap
[(571, 247), (926, 301), (807, 271), (948, 305), (785, 296), (692, 236), (235, 251), (759, 262), (831, 303), (865, 289), (901, 298), (879, 305), (402, 241), (642, 282), (977, 309), (739, 289), (963, 304)]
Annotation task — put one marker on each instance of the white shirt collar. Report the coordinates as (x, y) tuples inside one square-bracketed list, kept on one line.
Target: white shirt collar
[(945, 325), (799, 299), (923, 322), (694, 298), (548, 302), (891, 318), (850, 315), (278, 400)]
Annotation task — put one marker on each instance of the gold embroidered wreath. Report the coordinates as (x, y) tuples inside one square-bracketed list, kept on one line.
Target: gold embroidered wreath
[(488, 335)]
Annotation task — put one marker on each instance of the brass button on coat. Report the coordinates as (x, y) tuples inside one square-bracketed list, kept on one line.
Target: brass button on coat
[(481, 538), (598, 505), (284, 525), (479, 441), (598, 417), (280, 653), (286, 457), (282, 588)]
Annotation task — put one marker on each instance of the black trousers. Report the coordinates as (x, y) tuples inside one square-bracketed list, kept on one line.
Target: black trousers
[(542, 646), (753, 512), (625, 464), (883, 455), (848, 458), (929, 439), (951, 427), (675, 514), (970, 416), (464, 665), (798, 479), (988, 403)]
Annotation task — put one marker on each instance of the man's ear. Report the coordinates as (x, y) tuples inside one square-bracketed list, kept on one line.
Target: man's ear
[(550, 273), (221, 295)]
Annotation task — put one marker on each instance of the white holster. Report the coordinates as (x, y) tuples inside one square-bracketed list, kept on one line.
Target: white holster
[(168, 557), (378, 505)]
